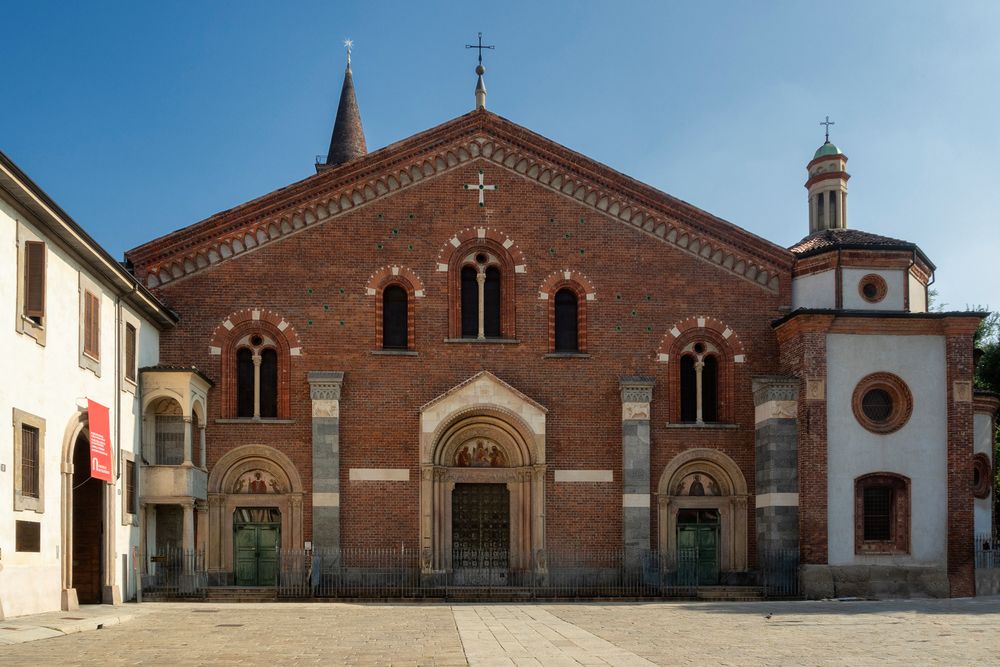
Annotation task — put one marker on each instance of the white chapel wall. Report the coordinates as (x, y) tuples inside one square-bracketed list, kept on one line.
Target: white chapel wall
[(918, 295), (851, 281), (816, 290), (48, 382), (917, 450), (982, 439)]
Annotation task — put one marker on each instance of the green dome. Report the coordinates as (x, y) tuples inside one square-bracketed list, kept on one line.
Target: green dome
[(826, 150)]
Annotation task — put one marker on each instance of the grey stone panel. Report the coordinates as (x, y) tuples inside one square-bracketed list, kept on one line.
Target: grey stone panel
[(635, 527), (326, 527), (326, 454), (776, 454), (777, 528), (635, 453), (878, 581)]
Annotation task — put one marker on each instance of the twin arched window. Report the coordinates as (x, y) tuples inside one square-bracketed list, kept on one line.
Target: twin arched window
[(256, 377), (481, 292), (701, 384)]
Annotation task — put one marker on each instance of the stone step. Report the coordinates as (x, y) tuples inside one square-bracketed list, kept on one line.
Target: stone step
[(730, 593)]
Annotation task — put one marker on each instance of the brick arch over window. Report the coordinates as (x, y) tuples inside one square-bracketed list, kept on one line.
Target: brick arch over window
[(582, 288), (410, 283), (722, 342), (510, 261), (225, 341)]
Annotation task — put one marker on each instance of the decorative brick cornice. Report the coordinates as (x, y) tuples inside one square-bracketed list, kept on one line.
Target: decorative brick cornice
[(325, 385), (732, 339), (222, 332), (387, 274), (636, 389), (475, 136)]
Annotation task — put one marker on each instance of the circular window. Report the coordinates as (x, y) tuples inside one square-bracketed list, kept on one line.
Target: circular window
[(882, 403), (481, 258), (699, 348), (981, 477), (873, 288), (256, 340)]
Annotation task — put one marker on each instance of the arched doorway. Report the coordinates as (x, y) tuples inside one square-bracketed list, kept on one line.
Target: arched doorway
[(702, 515), (482, 480), (87, 557), (254, 511)]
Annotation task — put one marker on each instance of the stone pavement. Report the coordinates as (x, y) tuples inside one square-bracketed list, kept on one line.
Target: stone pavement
[(912, 632), (58, 623)]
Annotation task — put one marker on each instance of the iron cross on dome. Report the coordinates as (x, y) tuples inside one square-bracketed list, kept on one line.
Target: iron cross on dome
[(481, 187)]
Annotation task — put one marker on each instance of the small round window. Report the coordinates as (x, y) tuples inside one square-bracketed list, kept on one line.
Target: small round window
[(882, 403), (873, 288)]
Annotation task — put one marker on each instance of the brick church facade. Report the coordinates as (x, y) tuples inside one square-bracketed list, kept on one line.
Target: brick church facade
[(476, 338)]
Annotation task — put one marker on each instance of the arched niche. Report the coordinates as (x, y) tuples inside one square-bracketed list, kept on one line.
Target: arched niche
[(230, 486), (705, 479), (482, 432)]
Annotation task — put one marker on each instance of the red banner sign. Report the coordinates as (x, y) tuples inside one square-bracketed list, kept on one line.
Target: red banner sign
[(100, 441)]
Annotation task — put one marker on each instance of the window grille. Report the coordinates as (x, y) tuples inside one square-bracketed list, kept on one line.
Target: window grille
[(169, 440), (29, 461), (878, 513)]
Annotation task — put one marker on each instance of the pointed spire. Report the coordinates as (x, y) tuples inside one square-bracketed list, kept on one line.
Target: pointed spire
[(480, 88), (348, 140)]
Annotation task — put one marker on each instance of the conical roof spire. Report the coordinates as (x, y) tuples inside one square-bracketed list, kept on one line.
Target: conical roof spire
[(348, 140)]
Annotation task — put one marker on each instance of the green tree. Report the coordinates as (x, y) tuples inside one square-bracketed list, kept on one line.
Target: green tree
[(987, 342)]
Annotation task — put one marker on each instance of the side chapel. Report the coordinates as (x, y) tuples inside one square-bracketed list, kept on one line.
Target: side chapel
[(476, 338)]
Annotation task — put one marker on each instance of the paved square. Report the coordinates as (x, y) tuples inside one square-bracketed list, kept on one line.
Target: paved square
[(926, 632)]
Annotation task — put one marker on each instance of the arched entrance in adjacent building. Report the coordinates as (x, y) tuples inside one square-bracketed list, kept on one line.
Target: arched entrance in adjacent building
[(702, 515), (482, 480), (254, 509), (88, 527), (87, 532)]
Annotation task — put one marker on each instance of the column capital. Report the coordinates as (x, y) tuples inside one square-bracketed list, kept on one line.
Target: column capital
[(325, 385), (636, 389), (774, 388)]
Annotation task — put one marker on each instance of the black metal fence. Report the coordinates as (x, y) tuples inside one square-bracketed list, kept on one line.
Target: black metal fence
[(176, 573), (566, 573), (987, 551)]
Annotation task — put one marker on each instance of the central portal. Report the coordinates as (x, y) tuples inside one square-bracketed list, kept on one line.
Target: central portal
[(256, 541), (480, 526)]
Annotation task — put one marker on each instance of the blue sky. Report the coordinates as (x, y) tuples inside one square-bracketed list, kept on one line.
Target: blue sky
[(141, 117)]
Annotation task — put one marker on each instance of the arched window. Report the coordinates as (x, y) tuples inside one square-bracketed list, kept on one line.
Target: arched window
[(244, 382), (256, 378), (491, 303), (268, 384), (480, 292), (394, 318), (470, 303), (699, 383), (566, 321), (882, 514)]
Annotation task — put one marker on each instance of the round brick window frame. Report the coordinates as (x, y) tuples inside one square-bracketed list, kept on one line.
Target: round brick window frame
[(881, 287), (899, 395), (981, 464)]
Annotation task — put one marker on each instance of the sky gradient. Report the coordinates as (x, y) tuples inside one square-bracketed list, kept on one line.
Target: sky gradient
[(140, 118)]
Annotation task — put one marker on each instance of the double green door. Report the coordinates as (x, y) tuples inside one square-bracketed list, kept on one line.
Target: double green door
[(257, 554), (698, 547)]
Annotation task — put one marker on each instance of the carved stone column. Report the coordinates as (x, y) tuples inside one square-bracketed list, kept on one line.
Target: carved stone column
[(776, 453), (637, 394), (324, 390)]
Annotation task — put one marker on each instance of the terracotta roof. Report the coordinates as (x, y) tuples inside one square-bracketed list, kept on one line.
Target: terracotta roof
[(348, 140), (852, 239), (169, 368)]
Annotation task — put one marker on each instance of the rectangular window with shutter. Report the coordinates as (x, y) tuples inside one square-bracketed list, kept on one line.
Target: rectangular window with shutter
[(29, 461), (129, 361), (34, 281), (92, 325)]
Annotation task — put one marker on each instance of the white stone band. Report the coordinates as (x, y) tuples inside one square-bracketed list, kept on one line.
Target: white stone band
[(328, 499), (777, 500), (775, 410), (635, 500), (379, 474), (584, 476)]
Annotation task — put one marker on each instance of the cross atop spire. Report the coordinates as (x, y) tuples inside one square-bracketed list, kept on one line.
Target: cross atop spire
[(349, 44), (480, 70), (826, 122)]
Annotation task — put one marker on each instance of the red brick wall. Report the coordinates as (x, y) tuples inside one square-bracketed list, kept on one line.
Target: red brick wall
[(961, 566), (316, 280)]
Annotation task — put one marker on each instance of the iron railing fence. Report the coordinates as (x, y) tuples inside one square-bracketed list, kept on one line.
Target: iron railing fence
[(174, 572), (987, 550), (564, 573)]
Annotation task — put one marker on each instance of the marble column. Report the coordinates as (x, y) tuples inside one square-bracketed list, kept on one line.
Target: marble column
[(777, 471), (324, 390), (637, 394)]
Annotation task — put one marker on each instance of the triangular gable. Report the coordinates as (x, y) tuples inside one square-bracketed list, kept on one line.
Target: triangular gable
[(479, 135), (469, 386)]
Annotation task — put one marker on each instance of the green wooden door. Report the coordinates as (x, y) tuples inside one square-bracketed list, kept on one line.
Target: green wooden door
[(256, 562), (698, 547)]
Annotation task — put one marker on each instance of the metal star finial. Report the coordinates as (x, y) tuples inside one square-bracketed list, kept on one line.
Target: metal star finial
[(349, 44)]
